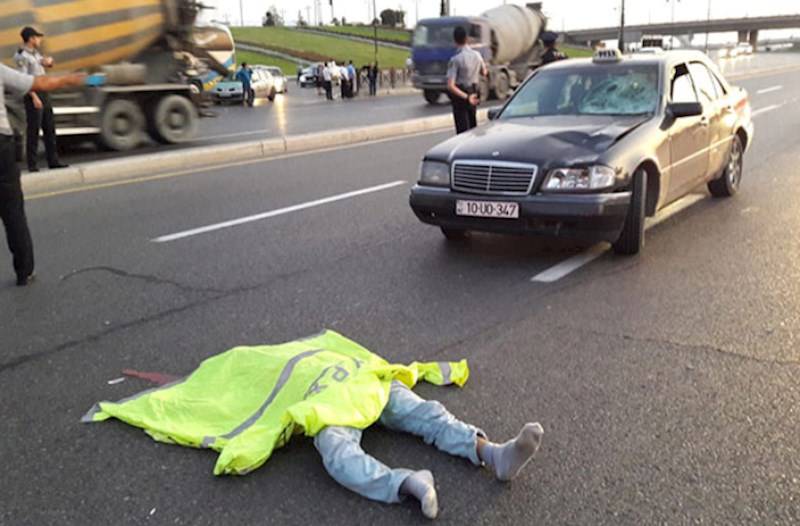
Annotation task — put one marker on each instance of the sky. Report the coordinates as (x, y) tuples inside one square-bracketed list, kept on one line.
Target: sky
[(564, 14)]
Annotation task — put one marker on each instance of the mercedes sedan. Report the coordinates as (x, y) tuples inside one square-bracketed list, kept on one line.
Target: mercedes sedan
[(588, 148)]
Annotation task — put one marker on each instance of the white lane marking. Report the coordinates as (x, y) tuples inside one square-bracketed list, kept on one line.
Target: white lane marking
[(274, 213), (570, 265), (769, 90), (765, 109)]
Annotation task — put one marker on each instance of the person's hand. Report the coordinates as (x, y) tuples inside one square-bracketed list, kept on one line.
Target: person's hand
[(75, 79), (47, 62), (474, 100), (37, 102)]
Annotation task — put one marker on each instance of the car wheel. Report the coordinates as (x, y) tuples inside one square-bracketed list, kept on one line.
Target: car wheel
[(271, 95), (728, 183), (432, 96), (455, 234), (502, 86), (631, 240)]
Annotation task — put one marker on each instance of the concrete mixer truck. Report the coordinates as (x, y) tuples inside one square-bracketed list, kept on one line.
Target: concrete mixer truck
[(507, 37), (153, 63)]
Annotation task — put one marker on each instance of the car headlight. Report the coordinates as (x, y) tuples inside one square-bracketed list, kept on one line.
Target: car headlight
[(434, 173), (580, 179)]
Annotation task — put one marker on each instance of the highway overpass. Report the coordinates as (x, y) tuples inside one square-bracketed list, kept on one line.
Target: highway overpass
[(747, 28)]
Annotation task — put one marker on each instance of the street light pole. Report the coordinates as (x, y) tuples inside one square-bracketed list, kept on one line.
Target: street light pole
[(375, 27), (708, 24), (622, 27), (241, 13)]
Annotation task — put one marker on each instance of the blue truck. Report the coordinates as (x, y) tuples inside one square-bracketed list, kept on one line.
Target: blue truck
[(506, 36)]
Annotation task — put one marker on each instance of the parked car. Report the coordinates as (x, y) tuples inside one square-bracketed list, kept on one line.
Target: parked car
[(587, 148), (230, 89), (281, 84), (308, 78)]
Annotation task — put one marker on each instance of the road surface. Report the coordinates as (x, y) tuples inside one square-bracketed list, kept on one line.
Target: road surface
[(666, 384)]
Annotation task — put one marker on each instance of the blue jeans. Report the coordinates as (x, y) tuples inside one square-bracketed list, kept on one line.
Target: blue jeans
[(354, 469)]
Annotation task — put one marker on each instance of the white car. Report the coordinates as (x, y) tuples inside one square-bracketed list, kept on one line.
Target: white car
[(281, 85), (263, 84), (744, 48)]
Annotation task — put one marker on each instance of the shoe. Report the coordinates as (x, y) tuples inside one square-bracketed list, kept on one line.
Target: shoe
[(33, 169), (23, 281), (58, 165)]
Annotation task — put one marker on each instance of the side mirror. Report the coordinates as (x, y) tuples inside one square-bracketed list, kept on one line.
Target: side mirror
[(685, 109), (493, 113)]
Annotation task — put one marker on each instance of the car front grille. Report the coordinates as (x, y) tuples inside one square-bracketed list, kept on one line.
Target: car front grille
[(493, 178)]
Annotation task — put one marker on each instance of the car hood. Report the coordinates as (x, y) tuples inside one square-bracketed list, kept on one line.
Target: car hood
[(229, 85), (545, 141)]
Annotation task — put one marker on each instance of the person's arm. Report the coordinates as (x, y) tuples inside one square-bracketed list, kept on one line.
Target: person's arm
[(56, 82)]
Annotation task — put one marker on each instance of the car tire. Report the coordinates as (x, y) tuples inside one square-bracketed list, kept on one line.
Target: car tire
[(271, 95), (432, 96), (727, 185), (455, 234), (631, 240)]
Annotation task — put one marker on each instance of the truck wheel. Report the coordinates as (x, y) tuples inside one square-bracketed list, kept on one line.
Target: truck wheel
[(121, 125), (502, 86), (174, 120), (432, 96), (631, 240), (728, 184), (485, 91)]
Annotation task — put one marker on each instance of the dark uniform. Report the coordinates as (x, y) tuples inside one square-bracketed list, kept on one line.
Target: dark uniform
[(465, 70), (29, 61), (551, 54), (12, 204)]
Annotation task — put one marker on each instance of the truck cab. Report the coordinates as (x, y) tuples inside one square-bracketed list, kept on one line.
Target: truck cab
[(433, 47)]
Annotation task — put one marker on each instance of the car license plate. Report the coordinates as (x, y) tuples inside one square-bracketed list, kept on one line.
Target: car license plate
[(487, 209)]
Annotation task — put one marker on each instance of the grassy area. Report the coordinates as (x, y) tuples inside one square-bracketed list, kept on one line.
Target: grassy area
[(317, 47), (289, 68), (575, 52), (398, 36)]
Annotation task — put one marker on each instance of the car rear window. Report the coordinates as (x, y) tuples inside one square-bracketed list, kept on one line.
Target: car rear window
[(594, 90)]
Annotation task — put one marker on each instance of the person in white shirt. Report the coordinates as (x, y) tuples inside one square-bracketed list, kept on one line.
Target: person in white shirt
[(327, 81)]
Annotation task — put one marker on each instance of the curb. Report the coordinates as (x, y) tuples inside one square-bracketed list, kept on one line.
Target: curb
[(205, 158)]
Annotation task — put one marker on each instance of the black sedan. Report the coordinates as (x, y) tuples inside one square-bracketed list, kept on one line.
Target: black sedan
[(587, 148)]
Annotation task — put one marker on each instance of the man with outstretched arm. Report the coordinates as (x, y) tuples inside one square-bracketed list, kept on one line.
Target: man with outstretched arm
[(12, 204)]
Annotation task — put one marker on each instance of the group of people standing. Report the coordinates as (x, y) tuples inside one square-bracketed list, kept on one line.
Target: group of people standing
[(347, 77)]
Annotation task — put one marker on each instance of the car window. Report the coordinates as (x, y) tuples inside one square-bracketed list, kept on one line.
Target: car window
[(682, 86), (704, 82), (593, 90)]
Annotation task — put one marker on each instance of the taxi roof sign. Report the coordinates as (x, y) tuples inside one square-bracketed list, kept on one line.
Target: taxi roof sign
[(602, 56)]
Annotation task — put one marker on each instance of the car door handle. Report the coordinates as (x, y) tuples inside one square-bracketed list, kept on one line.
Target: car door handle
[(704, 121)]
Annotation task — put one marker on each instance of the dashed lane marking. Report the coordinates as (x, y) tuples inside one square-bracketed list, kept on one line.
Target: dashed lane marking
[(766, 109), (570, 265), (769, 90), (274, 213)]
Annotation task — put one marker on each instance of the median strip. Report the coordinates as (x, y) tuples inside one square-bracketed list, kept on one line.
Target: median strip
[(206, 158)]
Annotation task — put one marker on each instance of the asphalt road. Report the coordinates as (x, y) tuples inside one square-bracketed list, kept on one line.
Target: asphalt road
[(299, 111), (303, 111), (667, 383)]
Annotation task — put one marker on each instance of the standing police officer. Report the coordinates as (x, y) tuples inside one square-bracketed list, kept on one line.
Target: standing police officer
[(12, 204), (463, 82), (551, 54), (38, 110)]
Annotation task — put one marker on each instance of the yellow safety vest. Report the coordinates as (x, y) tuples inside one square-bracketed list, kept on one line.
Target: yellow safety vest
[(248, 401)]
